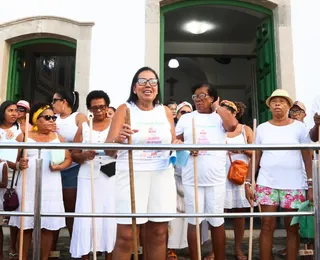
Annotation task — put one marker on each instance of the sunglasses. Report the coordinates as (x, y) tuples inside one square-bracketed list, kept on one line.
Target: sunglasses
[(143, 82), (21, 109), (54, 100), (48, 117), (184, 112), (96, 108)]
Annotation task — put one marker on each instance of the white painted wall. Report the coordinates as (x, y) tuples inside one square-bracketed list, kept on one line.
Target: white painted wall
[(306, 42), (118, 46)]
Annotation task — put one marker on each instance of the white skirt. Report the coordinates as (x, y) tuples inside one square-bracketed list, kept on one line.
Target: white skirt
[(235, 196), (104, 197)]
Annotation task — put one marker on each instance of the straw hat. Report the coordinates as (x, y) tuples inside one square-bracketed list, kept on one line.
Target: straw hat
[(280, 93)]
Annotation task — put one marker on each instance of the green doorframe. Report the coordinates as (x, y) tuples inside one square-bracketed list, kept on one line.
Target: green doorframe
[(13, 74), (187, 3)]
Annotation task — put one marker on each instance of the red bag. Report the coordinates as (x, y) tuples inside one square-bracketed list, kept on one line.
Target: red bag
[(10, 197)]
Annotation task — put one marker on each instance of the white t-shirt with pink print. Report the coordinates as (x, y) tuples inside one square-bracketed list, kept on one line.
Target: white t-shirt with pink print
[(211, 164)]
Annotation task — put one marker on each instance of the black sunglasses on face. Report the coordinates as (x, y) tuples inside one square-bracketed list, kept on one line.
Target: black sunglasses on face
[(184, 112), (21, 109), (54, 100), (48, 117)]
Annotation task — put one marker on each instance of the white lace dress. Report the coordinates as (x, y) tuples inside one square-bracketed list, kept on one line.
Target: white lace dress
[(235, 194), (51, 195), (104, 199)]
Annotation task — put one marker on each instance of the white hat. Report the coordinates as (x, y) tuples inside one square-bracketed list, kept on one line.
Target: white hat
[(185, 103)]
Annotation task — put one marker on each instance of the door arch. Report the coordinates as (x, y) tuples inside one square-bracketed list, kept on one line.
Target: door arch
[(265, 44), (17, 63)]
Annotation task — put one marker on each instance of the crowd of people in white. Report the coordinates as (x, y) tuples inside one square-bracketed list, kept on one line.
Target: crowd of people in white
[(284, 178)]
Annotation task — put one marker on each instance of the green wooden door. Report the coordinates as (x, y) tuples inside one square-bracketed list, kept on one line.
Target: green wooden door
[(266, 76), (16, 64)]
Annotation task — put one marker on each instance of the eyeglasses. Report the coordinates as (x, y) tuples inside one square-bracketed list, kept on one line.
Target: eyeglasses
[(48, 117), (184, 112), (54, 100), (200, 96), (21, 109), (96, 108), (296, 112), (143, 82)]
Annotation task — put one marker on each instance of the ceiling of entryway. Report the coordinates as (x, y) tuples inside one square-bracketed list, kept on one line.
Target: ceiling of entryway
[(233, 24)]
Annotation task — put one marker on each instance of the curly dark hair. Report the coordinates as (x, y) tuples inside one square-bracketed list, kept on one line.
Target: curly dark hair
[(241, 109)]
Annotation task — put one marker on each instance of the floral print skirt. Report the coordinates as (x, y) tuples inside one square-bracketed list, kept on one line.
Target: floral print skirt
[(287, 199)]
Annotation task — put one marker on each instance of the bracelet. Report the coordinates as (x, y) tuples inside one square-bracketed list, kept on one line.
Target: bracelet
[(216, 110), (17, 166), (309, 180), (248, 182)]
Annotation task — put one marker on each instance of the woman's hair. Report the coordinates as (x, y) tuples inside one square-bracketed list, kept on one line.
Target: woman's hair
[(133, 98), (241, 109), (34, 108), (71, 98), (114, 110), (211, 90), (97, 94), (3, 108), (231, 109), (171, 102)]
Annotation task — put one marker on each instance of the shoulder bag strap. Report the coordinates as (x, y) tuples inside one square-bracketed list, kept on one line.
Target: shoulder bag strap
[(229, 154), (12, 181), (21, 154)]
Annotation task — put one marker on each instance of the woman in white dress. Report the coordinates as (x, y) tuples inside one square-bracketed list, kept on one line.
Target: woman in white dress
[(9, 130), (42, 119), (235, 199), (104, 184)]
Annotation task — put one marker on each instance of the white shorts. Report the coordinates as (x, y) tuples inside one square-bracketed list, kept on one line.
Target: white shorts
[(211, 200), (155, 192)]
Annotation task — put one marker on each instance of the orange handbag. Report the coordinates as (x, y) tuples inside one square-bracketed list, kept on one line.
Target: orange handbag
[(238, 169)]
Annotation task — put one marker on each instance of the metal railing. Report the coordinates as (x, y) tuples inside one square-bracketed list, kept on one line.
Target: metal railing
[(37, 214)]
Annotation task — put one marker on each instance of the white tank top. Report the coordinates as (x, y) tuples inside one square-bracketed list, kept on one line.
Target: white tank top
[(99, 160), (154, 128), (67, 127)]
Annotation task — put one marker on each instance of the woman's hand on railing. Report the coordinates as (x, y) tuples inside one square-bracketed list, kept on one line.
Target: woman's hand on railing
[(249, 194), (124, 133), (23, 164)]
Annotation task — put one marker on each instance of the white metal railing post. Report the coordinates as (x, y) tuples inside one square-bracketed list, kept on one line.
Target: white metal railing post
[(37, 209), (316, 201)]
